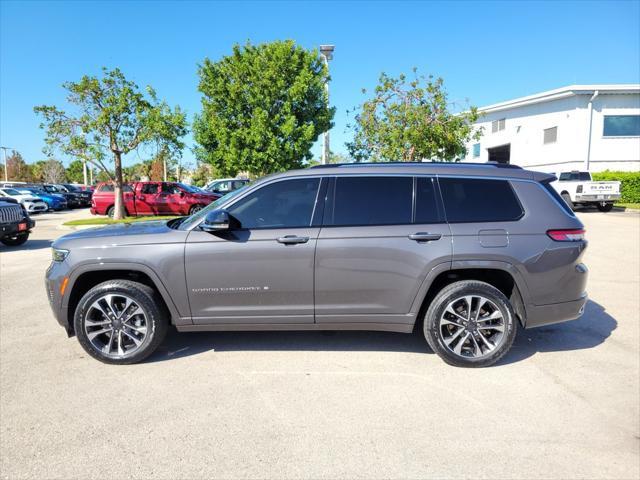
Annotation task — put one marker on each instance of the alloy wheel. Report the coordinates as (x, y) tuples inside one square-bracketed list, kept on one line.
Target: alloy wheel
[(116, 325), (472, 326)]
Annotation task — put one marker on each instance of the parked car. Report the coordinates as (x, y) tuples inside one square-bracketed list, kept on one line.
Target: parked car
[(151, 198), (73, 199), (577, 188), (468, 252), (85, 195), (15, 223), (30, 202), (222, 186), (54, 201)]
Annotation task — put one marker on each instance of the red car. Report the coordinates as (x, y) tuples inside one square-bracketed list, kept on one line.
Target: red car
[(151, 198)]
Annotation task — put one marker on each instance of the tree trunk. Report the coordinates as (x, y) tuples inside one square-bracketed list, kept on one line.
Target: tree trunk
[(118, 213)]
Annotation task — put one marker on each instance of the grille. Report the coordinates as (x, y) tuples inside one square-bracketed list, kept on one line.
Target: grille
[(10, 214)]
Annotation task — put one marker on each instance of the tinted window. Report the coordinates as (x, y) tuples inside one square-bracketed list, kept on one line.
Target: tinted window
[(108, 187), (372, 201), (149, 188), (285, 204), (170, 188), (621, 126), (469, 200), (427, 208), (575, 177)]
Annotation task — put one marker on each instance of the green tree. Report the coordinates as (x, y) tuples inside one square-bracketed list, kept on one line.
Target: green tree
[(410, 120), (75, 171), (17, 169), (263, 107), (112, 118)]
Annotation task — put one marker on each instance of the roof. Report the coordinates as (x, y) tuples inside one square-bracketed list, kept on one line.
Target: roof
[(421, 168), (563, 92)]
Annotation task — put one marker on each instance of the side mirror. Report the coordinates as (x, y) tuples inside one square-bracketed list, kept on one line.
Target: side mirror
[(181, 194), (216, 221)]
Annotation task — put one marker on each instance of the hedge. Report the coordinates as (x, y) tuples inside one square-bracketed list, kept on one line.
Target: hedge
[(630, 187)]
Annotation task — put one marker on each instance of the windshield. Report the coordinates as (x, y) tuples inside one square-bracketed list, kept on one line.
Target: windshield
[(51, 189), (25, 191), (188, 188), (72, 188), (11, 191), (196, 218)]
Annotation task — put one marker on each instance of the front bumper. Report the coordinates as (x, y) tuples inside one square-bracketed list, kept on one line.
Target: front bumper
[(12, 229), (34, 207), (539, 315)]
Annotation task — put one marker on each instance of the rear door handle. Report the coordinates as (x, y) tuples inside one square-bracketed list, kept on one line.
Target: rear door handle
[(292, 239), (425, 237)]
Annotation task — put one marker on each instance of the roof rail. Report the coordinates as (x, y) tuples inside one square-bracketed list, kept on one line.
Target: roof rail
[(414, 164)]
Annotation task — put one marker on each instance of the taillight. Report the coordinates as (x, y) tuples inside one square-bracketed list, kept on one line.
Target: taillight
[(574, 235)]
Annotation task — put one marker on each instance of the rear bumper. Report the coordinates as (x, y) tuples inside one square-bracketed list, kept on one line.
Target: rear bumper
[(539, 315), (605, 197)]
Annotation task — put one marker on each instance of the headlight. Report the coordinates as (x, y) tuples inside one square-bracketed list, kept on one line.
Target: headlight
[(58, 254)]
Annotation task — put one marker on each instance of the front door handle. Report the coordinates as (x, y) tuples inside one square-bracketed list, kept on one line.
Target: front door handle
[(425, 237), (292, 239)]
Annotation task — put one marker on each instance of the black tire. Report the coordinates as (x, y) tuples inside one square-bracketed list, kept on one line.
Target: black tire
[(567, 200), (606, 207), (156, 319), (111, 211), (15, 241), (195, 209), (454, 292)]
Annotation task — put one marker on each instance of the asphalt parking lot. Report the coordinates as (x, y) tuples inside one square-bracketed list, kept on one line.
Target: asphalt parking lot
[(563, 404)]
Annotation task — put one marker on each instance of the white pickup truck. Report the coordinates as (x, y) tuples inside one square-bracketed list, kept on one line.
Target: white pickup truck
[(577, 188)]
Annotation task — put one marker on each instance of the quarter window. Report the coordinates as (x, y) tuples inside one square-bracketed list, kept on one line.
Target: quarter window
[(621, 126), (285, 204), (372, 201), (471, 200)]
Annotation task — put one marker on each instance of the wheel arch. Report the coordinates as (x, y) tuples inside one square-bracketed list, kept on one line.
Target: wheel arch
[(85, 278), (501, 275)]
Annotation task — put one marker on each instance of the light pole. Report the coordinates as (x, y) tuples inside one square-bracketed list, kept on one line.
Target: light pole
[(6, 178), (326, 51)]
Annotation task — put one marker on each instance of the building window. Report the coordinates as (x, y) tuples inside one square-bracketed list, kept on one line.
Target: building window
[(621, 126), (550, 135), (476, 150), (497, 125)]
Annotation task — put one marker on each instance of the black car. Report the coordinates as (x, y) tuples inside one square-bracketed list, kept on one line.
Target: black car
[(85, 195), (73, 199), (15, 223)]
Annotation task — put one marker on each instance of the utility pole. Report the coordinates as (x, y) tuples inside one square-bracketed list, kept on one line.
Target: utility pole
[(84, 171), (326, 52), (6, 170)]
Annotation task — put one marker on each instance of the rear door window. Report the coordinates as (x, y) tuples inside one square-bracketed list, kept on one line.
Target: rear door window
[(149, 188), (359, 201), (428, 208), (479, 200)]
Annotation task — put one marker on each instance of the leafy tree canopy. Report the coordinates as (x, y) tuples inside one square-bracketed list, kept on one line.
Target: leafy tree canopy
[(111, 117), (263, 107), (410, 120), (75, 172)]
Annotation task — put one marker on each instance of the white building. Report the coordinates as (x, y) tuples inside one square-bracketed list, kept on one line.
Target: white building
[(579, 127)]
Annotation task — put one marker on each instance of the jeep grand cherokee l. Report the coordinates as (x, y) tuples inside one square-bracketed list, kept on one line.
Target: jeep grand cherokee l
[(469, 253)]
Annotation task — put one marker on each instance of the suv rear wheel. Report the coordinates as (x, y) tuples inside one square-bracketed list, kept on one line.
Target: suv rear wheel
[(120, 322), (470, 324)]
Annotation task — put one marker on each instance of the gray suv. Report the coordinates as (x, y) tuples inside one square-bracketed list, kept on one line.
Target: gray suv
[(467, 252)]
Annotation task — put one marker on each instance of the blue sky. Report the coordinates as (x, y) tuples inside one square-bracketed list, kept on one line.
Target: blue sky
[(485, 51)]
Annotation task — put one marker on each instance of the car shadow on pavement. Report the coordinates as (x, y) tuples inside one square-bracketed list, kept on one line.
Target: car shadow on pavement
[(591, 330), (30, 245)]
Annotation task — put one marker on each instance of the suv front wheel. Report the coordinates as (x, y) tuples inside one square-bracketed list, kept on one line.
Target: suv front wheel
[(120, 321), (470, 324)]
